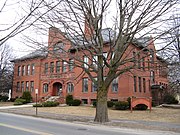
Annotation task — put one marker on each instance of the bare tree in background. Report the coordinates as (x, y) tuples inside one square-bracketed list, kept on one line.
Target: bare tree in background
[(6, 68), (172, 50), (132, 19), (22, 20)]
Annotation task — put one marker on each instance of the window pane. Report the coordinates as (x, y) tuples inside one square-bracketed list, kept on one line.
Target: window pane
[(85, 84), (64, 66), (94, 85), (115, 85), (70, 88), (71, 64), (85, 62), (57, 66), (45, 88), (32, 69), (46, 68), (52, 67)]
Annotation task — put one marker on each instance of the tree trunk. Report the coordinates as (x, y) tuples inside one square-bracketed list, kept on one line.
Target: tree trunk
[(101, 108)]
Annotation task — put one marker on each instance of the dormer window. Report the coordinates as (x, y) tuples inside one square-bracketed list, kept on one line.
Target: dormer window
[(59, 47)]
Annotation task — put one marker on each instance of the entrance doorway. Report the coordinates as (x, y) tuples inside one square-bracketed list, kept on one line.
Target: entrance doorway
[(57, 89)]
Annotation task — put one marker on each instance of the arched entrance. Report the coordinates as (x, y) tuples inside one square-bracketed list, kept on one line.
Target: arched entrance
[(57, 89)]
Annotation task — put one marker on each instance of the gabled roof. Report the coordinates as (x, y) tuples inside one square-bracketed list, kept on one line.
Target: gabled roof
[(39, 53)]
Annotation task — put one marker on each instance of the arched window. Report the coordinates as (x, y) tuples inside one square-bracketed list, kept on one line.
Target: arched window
[(70, 87), (45, 88), (58, 47)]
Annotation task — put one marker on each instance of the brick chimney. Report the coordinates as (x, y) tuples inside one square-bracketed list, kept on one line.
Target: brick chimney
[(88, 29)]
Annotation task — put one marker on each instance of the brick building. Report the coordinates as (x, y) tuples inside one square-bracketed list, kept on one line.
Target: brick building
[(52, 76)]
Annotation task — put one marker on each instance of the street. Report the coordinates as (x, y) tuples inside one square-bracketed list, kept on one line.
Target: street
[(11, 124)]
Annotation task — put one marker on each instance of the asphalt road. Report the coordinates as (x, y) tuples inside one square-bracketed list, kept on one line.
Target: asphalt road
[(11, 124)]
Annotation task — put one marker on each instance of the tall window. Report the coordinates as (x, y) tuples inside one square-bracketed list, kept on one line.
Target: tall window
[(22, 86), (144, 85), (23, 70), (85, 59), (115, 85), (85, 85), (57, 66), (46, 68), (70, 87), (64, 66), (151, 56), (71, 64), (139, 80), (52, 67), (18, 86), (143, 63), (94, 85), (32, 86), (134, 58), (28, 69), (152, 76), (32, 69), (45, 88), (148, 65), (135, 84), (27, 86), (94, 61), (139, 61), (19, 70)]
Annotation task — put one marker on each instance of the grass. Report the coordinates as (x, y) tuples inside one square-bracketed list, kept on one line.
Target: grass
[(6, 104), (157, 114)]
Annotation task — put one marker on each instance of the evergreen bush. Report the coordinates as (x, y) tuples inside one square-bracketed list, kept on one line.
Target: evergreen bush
[(69, 99), (121, 105), (110, 103), (3, 98), (50, 104), (75, 102), (27, 96), (170, 99), (19, 101)]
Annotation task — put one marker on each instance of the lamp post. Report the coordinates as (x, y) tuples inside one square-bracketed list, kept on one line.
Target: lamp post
[(36, 92)]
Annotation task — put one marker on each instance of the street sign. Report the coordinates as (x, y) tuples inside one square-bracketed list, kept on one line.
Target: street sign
[(36, 91)]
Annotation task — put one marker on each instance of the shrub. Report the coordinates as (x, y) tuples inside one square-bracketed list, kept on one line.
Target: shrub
[(170, 99), (38, 105), (19, 101), (75, 102), (141, 107), (3, 98), (121, 105), (50, 104), (27, 96), (94, 103), (69, 99), (110, 103)]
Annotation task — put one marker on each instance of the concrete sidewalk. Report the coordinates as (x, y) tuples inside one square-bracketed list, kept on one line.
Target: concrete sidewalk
[(15, 106)]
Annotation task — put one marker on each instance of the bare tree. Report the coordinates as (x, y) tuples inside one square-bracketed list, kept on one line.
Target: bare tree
[(171, 51), (132, 19), (23, 19), (6, 68)]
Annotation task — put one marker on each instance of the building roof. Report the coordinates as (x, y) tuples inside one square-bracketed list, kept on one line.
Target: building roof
[(39, 53), (107, 34)]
